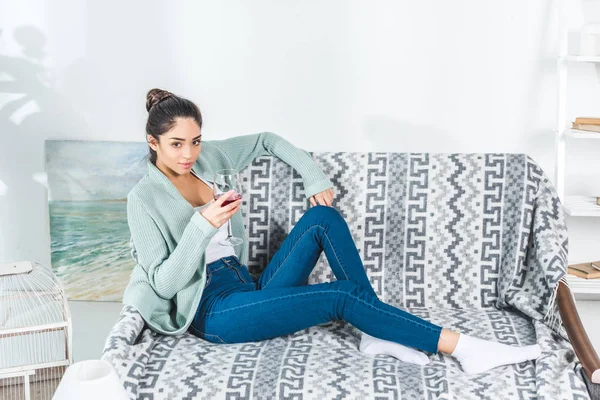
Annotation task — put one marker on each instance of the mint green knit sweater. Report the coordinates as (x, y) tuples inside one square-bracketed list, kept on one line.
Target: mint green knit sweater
[(170, 237)]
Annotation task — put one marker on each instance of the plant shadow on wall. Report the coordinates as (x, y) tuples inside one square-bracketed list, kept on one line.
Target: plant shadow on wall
[(32, 110), (22, 127)]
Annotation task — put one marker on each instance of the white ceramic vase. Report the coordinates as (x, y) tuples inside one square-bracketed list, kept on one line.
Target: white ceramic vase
[(590, 40)]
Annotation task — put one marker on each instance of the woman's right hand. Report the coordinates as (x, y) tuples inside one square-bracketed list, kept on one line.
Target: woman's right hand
[(216, 214)]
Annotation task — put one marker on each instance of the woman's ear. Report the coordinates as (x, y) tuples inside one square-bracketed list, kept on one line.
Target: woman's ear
[(152, 142)]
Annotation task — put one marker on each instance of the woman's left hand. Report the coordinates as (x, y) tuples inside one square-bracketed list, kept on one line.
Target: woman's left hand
[(323, 198)]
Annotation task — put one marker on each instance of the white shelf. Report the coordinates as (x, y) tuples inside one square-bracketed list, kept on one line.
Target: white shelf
[(586, 59), (583, 286), (578, 134), (581, 206)]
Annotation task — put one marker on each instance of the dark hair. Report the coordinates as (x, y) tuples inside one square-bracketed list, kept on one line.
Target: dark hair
[(163, 109)]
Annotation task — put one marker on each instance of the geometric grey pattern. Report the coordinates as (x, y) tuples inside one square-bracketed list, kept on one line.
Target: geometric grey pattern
[(472, 242), (323, 362)]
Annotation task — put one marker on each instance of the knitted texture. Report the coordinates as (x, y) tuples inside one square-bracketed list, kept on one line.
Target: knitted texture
[(170, 238)]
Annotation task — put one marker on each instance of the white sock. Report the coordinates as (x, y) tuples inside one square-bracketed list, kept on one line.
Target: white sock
[(373, 346), (477, 355)]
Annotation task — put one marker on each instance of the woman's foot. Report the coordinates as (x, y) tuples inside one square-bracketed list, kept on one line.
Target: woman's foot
[(373, 346), (477, 355)]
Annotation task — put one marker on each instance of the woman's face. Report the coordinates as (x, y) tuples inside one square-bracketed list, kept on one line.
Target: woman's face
[(178, 148)]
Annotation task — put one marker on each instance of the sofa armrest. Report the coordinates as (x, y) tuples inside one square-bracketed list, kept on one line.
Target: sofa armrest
[(577, 335)]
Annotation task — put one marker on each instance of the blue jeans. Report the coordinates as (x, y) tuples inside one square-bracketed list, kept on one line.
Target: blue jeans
[(235, 308)]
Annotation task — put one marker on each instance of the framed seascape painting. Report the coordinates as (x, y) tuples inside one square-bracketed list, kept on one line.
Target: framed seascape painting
[(88, 182)]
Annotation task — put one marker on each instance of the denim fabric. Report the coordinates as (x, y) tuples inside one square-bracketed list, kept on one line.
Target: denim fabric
[(236, 308)]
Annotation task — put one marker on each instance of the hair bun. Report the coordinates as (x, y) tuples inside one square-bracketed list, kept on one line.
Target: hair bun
[(155, 96)]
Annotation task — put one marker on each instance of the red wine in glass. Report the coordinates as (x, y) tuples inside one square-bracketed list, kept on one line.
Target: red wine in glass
[(226, 180), (233, 197)]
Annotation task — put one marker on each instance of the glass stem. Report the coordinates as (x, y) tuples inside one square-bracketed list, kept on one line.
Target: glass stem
[(229, 229)]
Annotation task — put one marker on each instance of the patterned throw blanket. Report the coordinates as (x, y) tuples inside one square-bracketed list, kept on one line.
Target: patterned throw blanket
[(474, 242)]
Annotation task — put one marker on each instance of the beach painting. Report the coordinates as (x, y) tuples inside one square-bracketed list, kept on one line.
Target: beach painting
[(88, 182)]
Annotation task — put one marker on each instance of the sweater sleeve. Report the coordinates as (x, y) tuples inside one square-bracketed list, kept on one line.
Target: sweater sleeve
[(168, 272), (242, 150)]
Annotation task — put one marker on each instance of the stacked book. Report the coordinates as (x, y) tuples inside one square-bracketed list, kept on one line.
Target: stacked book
[(586, 270), (587, 124)]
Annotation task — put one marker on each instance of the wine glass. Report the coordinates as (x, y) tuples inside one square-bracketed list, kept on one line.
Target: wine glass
[(224, 181)]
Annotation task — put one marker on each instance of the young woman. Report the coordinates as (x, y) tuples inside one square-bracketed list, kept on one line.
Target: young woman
[(185, 280)]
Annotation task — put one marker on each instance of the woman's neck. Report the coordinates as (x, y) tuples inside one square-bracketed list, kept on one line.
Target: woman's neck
[(172, 175)]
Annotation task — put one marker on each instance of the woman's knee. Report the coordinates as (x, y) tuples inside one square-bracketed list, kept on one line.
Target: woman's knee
[(324, 213)]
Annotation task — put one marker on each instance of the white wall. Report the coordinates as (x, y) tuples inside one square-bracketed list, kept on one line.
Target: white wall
[(460, 76)]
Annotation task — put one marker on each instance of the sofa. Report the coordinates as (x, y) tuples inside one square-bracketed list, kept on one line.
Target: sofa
[(476, 243)]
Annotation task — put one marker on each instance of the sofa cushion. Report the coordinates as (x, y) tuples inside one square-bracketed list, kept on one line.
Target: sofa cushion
[(323, 362)]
